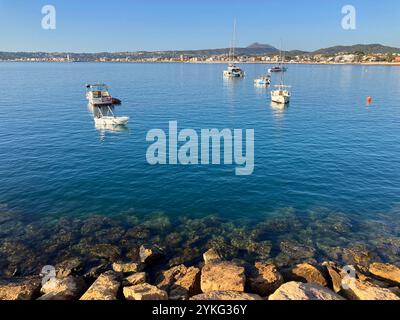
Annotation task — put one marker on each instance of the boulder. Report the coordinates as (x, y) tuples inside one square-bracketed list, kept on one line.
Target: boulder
[(104, 288), (386, 272), (334, 274), (306, 272), (68, 288), (20, 289), (134, 279), (187, 285), (303, 291), (68, 267), (144, 291), (126, 267), (170, 276), (264, 279), (358, 290), (222, 276), (149, 254), (226, 295), (211, 255)]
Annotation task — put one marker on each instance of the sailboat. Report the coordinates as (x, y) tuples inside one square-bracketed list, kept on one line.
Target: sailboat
[(279, 67), (281, 94), (233, 71)]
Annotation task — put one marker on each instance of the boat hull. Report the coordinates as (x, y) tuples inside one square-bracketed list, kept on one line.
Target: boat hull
[(280, 99), (116, 121)]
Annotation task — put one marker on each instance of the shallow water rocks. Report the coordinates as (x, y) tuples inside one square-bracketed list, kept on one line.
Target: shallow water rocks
[(20, 289), (149, 254), (303, 291), (358, 255), (386, 271), (107, 251), (68, 267), (104, 288), (306, 272), (134, 279), (222, 276), (68, 288), (358, 290), (264, 279), (128, 267), (211, 255), (226, 295), (144, 291)]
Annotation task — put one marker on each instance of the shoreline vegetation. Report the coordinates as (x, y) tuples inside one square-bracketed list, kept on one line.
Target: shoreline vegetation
[(285, 257)]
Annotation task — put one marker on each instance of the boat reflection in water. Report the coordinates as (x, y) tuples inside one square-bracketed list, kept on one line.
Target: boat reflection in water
[(279, 110)]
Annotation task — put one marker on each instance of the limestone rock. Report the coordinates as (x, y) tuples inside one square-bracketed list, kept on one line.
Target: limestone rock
[(335, 276), (358, 290), (187, 285), (303, 291), (222, 276), (170, 276), (306, 272), (226, 295), (144, 291), (211, 255), (387, 272), (68, 267), (358, 255), (126, 267), (20, 289), (104, 288), (149, 254), (134, 279), (265, 279), (68, 288)]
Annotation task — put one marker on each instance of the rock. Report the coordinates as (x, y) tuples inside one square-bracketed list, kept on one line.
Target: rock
[(68, 267), (211, 255), (126, 267), (358, 255), (226, 295), (264, 279), (387, 272), (144, 291), (303, 291), (104, 288), (296, 250), (149, 254), (68, 288), (20, 289), (222, 276), (134, 279), (186, 286), (358, 290), (306, 272), (335, 276), (170, 276), (107, 251), (96, 271)]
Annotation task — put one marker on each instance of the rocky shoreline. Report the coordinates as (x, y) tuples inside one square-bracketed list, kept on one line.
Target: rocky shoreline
[(214, 278)]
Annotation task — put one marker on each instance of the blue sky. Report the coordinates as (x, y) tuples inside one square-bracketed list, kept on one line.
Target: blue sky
[(123, 25)]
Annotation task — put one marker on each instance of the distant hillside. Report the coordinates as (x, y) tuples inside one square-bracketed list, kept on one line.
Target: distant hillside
[(365, 48)]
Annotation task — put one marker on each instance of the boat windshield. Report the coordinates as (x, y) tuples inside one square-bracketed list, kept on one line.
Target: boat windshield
[(98, 88)]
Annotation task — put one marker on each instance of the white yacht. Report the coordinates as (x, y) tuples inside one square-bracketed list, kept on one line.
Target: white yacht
[(233, 71), (281, 94), (262, 81)]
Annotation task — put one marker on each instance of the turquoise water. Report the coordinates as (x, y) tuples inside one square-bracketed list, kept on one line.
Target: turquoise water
[(325, 150)]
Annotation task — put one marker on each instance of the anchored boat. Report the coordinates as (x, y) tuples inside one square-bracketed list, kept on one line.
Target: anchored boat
[(233, 71), (281, 94), (262, 81), (103, 105)]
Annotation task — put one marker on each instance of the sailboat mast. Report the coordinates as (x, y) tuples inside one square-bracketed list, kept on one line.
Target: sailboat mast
[(234, 39)]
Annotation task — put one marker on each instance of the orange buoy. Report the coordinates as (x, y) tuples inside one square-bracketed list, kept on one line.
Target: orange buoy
[(369, 100)]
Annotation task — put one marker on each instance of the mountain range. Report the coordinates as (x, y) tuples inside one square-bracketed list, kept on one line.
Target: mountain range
[(252, 50)]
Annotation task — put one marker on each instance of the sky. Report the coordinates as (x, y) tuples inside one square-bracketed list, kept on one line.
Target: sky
[(134, 25)]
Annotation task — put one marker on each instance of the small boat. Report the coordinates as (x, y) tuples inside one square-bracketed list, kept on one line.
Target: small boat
[(102, 105), (277, 69), (263, 81), (281, 94), (98, 95), (233, 71)]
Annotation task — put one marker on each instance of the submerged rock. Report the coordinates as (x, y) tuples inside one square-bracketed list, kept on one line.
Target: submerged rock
[(144, 291), (306, 272), (387, 272), (226, 295), (104, 288), (222, 276), (303, 291), (264, 279), (20, 289), (68, 267), (358, 255)]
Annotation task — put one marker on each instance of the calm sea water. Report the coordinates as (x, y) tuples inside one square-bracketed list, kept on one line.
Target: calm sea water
[(326, 149)]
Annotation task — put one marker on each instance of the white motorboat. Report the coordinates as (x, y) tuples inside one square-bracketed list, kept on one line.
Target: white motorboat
[(262, 81), (233, 71), (281, 94), (98, 95), (105, 116)]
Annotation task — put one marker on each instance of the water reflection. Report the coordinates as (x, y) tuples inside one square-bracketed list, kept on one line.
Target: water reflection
[(278, 110)]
